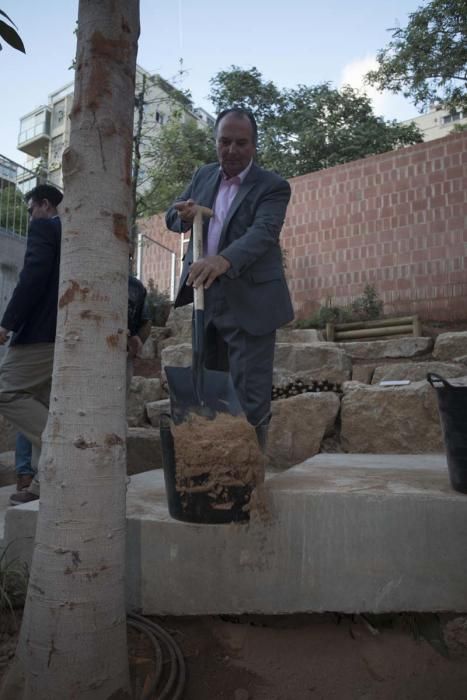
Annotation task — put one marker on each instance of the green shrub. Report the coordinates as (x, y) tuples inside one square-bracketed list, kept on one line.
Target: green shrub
[(366, 307), (158, 303), (326, 314)]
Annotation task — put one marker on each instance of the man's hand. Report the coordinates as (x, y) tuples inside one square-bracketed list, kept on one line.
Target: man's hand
[(135, 345), (4, 335), (205, 271), (186, 210)]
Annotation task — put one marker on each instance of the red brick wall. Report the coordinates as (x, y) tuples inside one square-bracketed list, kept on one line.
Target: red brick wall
[(396, 221), (160, 252)]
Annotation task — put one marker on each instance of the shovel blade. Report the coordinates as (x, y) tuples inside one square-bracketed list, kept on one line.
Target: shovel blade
[(218, 393)]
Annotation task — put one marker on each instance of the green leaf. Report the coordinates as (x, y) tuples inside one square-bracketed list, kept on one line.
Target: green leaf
[(11, 36)]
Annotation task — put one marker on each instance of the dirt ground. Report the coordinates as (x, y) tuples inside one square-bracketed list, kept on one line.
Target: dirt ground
[(323, 657), (318, 657)]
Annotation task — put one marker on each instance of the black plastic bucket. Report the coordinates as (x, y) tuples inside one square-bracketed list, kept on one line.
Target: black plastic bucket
[(199, 507), (452, 404)]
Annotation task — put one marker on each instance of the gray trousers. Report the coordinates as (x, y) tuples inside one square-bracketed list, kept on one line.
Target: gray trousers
[(248, 358), (25, 381)]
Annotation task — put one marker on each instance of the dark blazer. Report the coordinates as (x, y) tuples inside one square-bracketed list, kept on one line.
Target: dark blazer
[(255, 285), (32, 310)]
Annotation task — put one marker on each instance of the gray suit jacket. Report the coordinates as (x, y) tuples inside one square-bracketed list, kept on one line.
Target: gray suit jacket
[(255, 285)]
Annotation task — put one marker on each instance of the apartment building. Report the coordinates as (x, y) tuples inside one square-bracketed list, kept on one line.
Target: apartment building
[(438, 121), (45, 131)]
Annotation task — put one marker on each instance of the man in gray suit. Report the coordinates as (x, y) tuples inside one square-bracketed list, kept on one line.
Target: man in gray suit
[(246, 294)]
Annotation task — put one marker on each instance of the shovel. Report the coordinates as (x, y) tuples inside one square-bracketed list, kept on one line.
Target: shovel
[(196, 389)]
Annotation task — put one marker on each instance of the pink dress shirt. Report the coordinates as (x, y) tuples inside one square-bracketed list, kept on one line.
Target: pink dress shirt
[(228, 188)]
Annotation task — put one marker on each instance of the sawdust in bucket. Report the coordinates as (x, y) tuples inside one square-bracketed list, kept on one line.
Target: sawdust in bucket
[(219, 458)]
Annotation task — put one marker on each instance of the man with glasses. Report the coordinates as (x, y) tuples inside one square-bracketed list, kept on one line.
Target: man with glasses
[(30, 322)]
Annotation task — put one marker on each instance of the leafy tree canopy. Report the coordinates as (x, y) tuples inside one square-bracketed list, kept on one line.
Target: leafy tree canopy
[(427, 59), (177, 150), (309, 127)]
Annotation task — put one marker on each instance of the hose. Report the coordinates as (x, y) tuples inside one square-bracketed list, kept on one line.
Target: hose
[(164, 646)]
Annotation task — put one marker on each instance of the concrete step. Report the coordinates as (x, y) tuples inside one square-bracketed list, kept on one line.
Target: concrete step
[(340, 532)]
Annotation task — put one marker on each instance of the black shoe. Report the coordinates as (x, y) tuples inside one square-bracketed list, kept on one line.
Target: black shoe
[(25, 496)]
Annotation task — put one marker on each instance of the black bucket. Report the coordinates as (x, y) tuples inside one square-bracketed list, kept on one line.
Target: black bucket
[(452, 404), (232, 506)]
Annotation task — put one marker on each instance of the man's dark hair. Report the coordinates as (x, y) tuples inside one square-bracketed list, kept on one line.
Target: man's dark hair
[(241, 114), (41, 192)]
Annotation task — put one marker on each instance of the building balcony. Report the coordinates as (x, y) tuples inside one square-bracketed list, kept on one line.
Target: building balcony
[(34, 133)]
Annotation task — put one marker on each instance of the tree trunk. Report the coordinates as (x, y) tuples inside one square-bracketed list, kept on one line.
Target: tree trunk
[(73, 635)]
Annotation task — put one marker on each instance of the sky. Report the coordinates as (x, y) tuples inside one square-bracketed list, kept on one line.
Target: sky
[(297, 42)]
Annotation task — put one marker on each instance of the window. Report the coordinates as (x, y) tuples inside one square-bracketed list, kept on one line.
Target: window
[(454, 117)]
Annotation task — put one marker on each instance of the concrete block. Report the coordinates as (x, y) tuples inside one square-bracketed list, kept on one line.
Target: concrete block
[(348, 533), (345, 533)]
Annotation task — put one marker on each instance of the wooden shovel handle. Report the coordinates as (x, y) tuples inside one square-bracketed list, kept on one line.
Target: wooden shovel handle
[(198, 249)]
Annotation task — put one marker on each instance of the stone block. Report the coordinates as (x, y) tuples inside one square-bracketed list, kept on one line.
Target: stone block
[(176, 356), (298, 426), (154, 409), (362, 373), (7, 468), (450, 346), (310, 361), (393, 348), (7, 435), (401, 419), (142, 391), (299, 335), (179, 322), (148, 351), (416, 371)]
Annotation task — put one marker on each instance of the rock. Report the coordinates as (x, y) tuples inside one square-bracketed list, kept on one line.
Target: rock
[(455, 636), (383, 420), (179, 323), (7, 468), (176, 355), (159, 335), (149, 349), (7, 435), (310, 361), (392, 348), (449, 346), (298, 426), (298, 335), (151, 346), (363, 373), (143, 450), (7, 460), (416, 371), (142, 391), (154, 410)]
